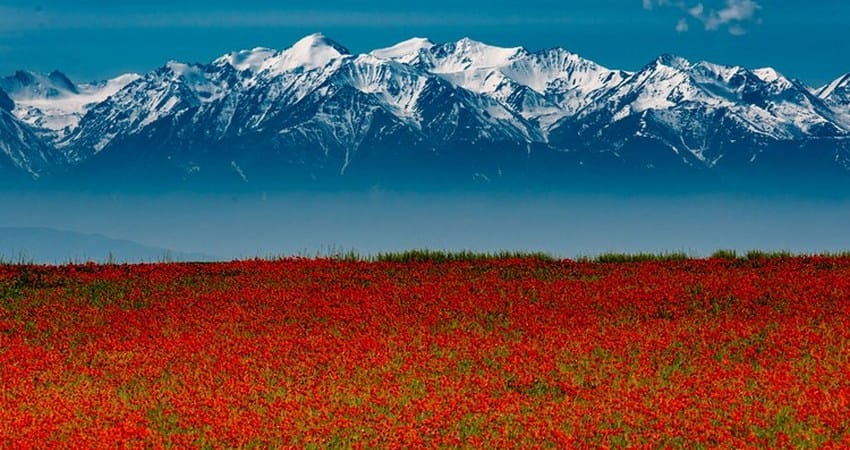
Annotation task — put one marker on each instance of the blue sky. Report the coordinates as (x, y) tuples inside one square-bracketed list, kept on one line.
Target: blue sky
[(88, 39)]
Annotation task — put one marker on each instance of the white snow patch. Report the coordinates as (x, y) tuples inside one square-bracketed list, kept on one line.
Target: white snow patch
[(311, 52), (469, 54), (404, 51), (242, 60), (396, 85), (62, 113), (827, 91), (768, 74)]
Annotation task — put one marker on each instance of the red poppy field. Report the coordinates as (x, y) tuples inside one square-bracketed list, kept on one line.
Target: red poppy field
[(516, 352)]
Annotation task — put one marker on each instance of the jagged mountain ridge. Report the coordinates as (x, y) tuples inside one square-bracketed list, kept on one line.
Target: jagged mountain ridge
[(698, 110), (53, 104), (315, 113)]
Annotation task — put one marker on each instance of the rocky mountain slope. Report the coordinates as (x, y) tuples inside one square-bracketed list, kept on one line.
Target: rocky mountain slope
[(461, 112)]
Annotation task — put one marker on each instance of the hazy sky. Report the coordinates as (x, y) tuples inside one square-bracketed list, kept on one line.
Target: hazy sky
[(307, 224), (90, 39)]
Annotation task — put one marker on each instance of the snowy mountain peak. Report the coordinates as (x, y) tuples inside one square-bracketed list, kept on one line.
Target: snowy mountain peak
[(61, 80), (768, 74), (318, 40), (178, 68), (672, 61), (195, 80), (242, 60), (777, 81), (542, 86), (719, 73), (115, 84), (53, 102), (311, 52), (404, 51), (467, 54), (25, 85), (316, 49)]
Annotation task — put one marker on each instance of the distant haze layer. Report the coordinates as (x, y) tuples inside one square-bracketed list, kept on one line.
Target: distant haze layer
[(568, 226)]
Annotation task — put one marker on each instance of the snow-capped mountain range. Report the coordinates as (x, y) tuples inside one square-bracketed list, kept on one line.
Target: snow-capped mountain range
[(465, 111)]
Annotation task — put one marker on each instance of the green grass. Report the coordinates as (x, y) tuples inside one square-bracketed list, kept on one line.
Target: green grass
[(438, 256), (446, 256), (725, 254), (22, 259), (759, 254), (441, 256), (640, 257)]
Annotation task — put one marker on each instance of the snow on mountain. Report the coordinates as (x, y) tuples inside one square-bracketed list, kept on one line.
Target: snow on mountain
[(670, 81), (770, 75), (235, 94), (252, 60), (22, 151), (315, 107), (30, 85), (311, 95), (405, 51), (557, 70), (311, 52), (398, 86), (839, 87), (543, 86), (794, 104), (53, 102), (837, 96), (204, 85), (566, 79), (701, 114), (163, 93), (402, 88), (468, 55), (468, 64), (763, 101)]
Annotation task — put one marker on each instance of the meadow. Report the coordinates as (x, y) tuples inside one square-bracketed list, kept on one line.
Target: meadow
[(426, 349)]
